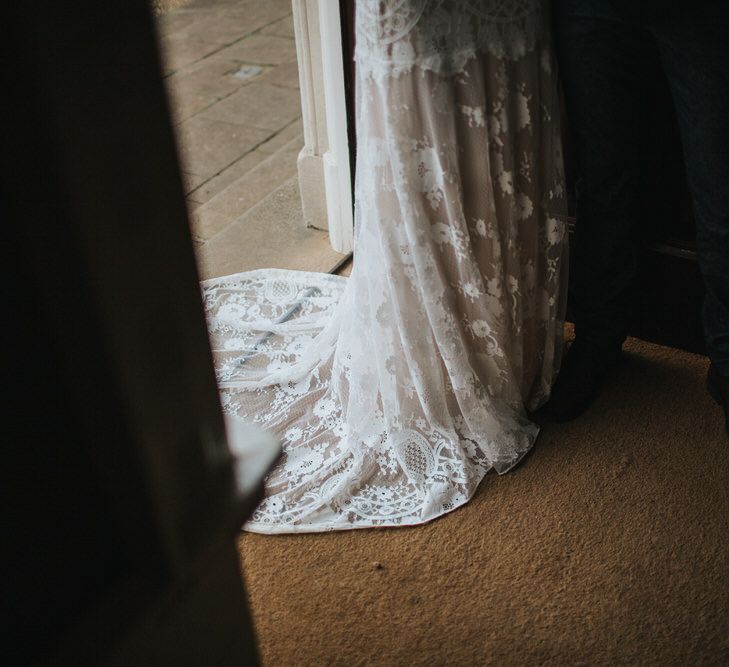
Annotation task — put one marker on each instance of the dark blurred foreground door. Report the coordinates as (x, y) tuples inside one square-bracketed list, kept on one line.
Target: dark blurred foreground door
[(122, 499)]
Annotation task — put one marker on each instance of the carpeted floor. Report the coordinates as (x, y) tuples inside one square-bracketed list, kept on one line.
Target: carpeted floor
[(608, 545)]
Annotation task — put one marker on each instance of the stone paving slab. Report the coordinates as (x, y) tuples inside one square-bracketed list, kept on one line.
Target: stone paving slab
[(293, 131), (242, 194), (254, 10), (179, 50), (178, 21), (261, 50), (223, 29), (261, 104), (190, 181), (246, 243), (208, 145), (201, 85), (282, 28), (206, 190), (240, 6), (285, 75)]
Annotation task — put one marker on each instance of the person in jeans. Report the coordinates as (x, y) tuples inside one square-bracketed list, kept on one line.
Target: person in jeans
[(603, 51)]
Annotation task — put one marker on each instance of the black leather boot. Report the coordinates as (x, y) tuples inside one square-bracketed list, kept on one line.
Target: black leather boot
[(580, 379), (718, 386)]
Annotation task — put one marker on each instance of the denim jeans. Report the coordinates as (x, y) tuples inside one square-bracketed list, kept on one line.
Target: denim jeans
[(602, 48)]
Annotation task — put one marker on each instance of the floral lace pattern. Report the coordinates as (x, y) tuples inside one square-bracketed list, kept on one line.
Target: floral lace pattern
[(394, 391)]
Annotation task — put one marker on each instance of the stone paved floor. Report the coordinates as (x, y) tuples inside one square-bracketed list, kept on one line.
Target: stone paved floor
[(231, 74)]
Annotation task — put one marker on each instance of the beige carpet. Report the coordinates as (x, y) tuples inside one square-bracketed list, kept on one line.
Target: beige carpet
[(608, 545)]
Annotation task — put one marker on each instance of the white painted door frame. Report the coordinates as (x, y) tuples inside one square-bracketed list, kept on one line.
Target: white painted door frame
[(325, 177)]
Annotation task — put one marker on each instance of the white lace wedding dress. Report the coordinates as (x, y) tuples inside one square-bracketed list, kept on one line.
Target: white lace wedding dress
[(396, 390)]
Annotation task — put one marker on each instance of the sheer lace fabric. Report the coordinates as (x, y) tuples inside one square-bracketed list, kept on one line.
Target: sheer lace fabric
[(396, 36), (394, 391)]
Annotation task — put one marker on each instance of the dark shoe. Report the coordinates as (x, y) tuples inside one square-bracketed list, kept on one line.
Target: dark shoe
[(580, 379), (718, 386)]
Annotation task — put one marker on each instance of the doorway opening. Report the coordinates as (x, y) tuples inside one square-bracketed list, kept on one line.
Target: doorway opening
[(232, 73)]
